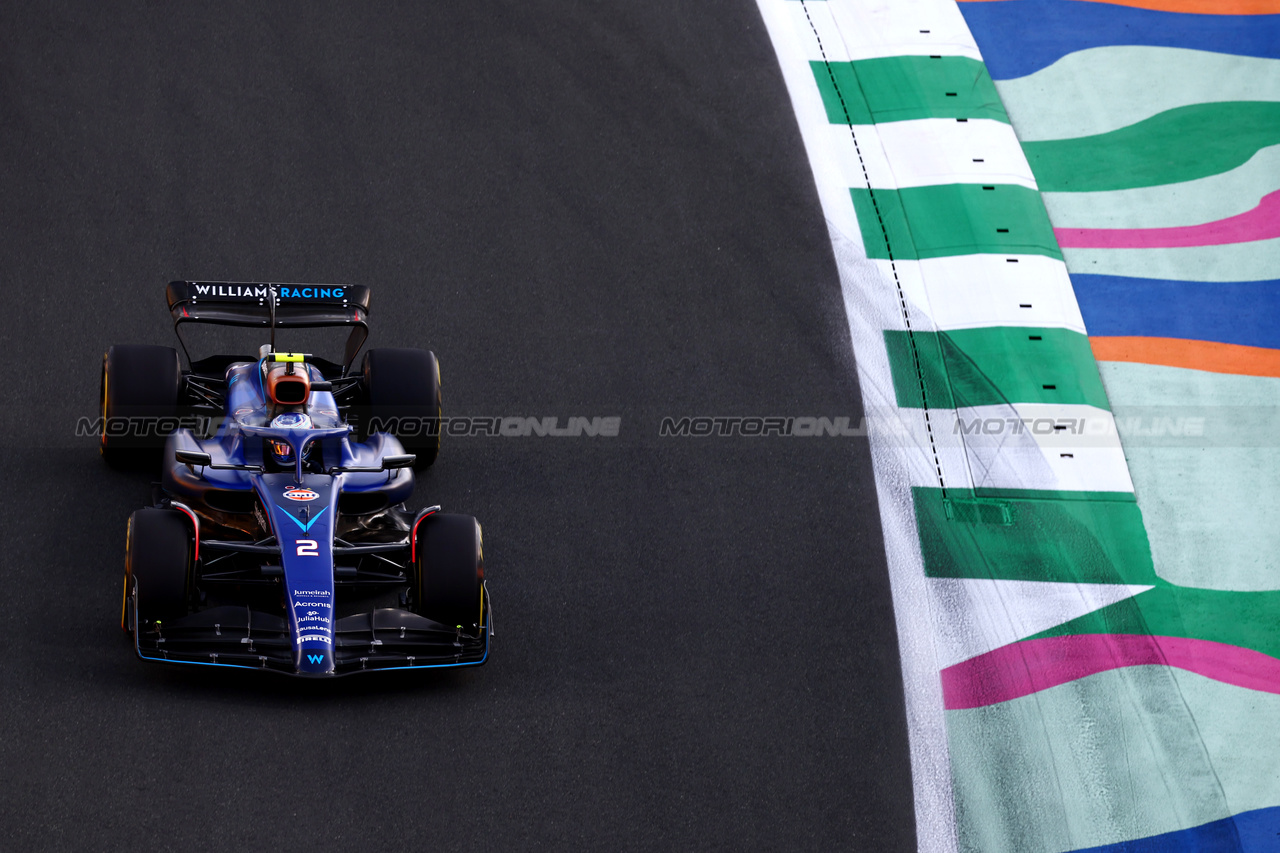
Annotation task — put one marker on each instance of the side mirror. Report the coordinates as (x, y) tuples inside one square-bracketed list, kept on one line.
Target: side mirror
[(193, 457), (400, 460)]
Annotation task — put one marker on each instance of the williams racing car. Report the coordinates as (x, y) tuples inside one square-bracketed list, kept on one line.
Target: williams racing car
[(279, 539)]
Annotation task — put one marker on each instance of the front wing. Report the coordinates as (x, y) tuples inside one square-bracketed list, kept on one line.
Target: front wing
[(383, 639)]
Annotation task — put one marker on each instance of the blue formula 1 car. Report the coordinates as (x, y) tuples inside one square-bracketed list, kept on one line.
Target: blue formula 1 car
[(279, 539)]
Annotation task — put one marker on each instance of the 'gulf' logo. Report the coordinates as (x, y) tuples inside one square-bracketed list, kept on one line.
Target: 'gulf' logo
[(300, 494)]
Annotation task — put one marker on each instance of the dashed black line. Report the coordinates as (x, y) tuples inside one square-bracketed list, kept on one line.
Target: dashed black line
[(893, 266)]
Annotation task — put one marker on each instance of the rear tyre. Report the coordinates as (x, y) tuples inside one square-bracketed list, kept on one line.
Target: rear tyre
[(402, 396), (158, 562), (139, 401), (449, 570)]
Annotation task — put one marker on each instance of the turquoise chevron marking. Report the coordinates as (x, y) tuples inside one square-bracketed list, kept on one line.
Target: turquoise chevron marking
[(305, 526)]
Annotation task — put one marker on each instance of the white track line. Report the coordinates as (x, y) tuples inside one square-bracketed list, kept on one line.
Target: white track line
[(872, 304)]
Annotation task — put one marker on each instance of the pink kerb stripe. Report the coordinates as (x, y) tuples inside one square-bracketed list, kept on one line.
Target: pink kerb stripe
[(1020, 669), (1261, 223)]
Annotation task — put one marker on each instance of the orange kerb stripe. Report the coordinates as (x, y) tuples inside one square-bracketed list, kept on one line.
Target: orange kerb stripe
[(1196, 355), (1194, 7)]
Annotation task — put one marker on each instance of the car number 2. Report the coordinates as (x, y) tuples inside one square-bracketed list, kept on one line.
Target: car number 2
[(307, 547)]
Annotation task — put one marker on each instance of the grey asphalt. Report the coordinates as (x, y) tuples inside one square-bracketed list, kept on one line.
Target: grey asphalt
[(586, 209)]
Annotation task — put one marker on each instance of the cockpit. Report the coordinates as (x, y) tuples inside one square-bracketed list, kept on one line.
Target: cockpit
[(281, 390)]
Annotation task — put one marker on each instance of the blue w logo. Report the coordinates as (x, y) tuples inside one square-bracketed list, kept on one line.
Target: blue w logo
[(316, 658)]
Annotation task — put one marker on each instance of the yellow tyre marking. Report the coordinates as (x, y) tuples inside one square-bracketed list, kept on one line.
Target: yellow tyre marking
[(128, 550)]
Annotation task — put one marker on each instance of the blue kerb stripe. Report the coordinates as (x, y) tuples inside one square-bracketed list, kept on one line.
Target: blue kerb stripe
[(1251, 832), (1231, 312), (1020, 37)]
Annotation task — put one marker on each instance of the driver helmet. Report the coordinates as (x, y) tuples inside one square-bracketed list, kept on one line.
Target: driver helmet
[(282, 450)]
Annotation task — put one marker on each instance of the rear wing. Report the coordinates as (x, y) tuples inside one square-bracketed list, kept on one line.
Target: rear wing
[(271, 306)]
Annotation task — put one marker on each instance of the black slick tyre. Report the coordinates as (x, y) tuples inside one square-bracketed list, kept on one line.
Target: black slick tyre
[(402, 397), (139, 393), (449, 571), (158, 563)]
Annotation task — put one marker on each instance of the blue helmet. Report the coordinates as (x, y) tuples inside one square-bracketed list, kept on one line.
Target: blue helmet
[(282, 450)]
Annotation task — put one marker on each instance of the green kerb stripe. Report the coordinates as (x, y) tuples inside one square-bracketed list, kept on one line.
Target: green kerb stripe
[(1030, 539), (901, 88), (994, 365), (954, 219), (1182, 144), (1244, 619)]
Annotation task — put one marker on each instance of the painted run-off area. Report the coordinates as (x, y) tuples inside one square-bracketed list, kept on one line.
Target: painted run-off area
[(1155, 133)]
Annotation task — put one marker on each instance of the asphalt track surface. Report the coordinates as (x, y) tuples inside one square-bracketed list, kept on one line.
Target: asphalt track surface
[(584, 209)]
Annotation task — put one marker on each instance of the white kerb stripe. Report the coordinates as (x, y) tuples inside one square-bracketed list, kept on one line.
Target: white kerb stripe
[(904, 160), (1016, 446), (871, 305), (875, 28), (975, 291), (976, 616), (926, 152)]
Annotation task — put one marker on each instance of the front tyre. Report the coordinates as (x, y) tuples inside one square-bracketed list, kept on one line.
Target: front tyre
[(158, 565), (402, 397), (449, 571)]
